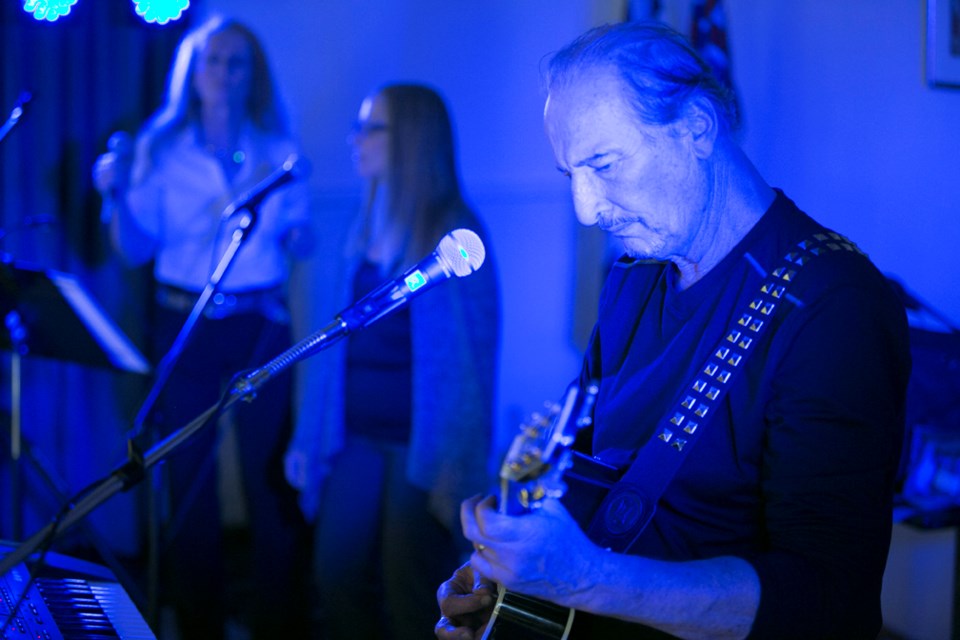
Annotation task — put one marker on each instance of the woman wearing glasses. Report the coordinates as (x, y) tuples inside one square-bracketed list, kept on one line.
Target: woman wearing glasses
[(403, 418)]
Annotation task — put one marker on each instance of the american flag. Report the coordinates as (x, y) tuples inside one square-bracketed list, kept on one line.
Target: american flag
[(708, 34)]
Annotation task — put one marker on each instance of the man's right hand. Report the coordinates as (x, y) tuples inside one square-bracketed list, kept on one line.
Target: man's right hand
[(466, 602)]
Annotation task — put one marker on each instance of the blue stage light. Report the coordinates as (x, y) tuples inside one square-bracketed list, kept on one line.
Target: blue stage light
[(161, 11), (49, 10)]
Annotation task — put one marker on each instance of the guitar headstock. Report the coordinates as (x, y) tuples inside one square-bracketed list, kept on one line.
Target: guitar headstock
[(534, 464)]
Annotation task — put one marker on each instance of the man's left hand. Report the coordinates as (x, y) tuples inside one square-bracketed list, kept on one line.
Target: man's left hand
[(542, 554)]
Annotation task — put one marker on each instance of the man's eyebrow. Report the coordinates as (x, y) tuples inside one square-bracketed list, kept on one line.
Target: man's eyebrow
[(587, 161), (595, 157)]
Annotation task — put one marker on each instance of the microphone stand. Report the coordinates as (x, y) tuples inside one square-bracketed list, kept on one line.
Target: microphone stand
[(165, 368), (244, 386), (164, 371), (134, 470), (119, 480), (127, 475)]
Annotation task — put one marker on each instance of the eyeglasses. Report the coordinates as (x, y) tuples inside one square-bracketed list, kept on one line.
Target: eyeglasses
[(368, 128)]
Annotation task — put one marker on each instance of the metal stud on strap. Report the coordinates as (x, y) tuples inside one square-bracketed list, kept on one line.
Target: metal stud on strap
[(739, 340), (632, 501)]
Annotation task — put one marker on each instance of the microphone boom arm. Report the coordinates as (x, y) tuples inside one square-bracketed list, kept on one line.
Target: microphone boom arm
[(459, 253)]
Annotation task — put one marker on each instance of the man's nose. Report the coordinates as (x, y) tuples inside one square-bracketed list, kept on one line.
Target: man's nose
[(587, 198)]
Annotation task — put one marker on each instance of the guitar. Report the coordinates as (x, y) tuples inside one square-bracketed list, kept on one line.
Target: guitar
[(531, 472)]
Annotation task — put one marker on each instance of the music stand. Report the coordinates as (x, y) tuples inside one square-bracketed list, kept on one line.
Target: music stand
[(50, 314)]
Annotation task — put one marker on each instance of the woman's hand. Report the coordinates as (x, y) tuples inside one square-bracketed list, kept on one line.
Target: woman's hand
[(111, 171), (295, 468)]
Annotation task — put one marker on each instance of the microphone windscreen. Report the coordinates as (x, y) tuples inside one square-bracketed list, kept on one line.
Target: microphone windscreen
[(298, 167), (462, 250), (120, 143)]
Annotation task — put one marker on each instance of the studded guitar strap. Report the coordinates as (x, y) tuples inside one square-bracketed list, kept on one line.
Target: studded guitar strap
[(631, 502)]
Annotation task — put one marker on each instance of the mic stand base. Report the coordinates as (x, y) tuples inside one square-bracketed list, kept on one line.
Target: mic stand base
[(119, 480)]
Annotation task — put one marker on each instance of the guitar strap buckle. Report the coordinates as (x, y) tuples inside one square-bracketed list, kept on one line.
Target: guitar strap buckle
[(622, 516)]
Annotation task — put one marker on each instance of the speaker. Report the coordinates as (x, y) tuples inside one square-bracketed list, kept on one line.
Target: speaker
[(930, 465)]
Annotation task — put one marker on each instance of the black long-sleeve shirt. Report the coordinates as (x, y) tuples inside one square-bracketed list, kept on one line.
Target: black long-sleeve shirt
[(795, 473)]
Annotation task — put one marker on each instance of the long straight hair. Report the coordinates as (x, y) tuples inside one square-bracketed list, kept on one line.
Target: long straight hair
[(424, 191)]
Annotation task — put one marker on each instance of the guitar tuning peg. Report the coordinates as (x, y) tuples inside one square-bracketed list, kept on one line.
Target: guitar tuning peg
[(528, 458), (556, 491)]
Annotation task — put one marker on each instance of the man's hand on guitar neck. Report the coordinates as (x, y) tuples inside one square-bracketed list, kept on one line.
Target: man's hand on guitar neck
[(542, 554)]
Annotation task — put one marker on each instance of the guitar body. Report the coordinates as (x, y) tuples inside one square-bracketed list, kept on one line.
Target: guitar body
[(520, 617), (531, 472)]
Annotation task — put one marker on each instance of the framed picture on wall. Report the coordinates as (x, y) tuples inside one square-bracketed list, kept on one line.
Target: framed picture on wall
[(942, 62)]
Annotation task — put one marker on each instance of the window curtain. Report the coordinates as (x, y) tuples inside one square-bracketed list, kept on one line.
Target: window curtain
[(95, 71)]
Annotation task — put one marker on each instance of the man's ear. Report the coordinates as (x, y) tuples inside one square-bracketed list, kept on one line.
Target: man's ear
[(699, 121)]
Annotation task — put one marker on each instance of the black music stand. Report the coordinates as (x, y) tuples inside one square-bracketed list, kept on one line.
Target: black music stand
[(50, 314), (62, 320)]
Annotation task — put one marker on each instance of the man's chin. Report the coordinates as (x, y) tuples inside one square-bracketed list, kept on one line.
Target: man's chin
[(638, 250)]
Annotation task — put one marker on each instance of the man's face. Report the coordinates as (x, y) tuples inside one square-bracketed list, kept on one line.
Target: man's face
[(642, 183)]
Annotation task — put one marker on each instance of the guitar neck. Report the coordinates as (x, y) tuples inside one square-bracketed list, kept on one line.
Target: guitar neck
[(533, 466), (531, 473)]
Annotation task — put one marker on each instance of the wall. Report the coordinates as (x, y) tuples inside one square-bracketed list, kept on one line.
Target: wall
[(839, 115), (835, 106)]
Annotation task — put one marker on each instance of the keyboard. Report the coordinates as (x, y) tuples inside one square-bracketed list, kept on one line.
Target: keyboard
[(70, 599)]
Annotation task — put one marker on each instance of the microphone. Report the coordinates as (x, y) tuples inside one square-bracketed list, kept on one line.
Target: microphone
[(292, 168), (120, 145), (459, 253), (15, 114)]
